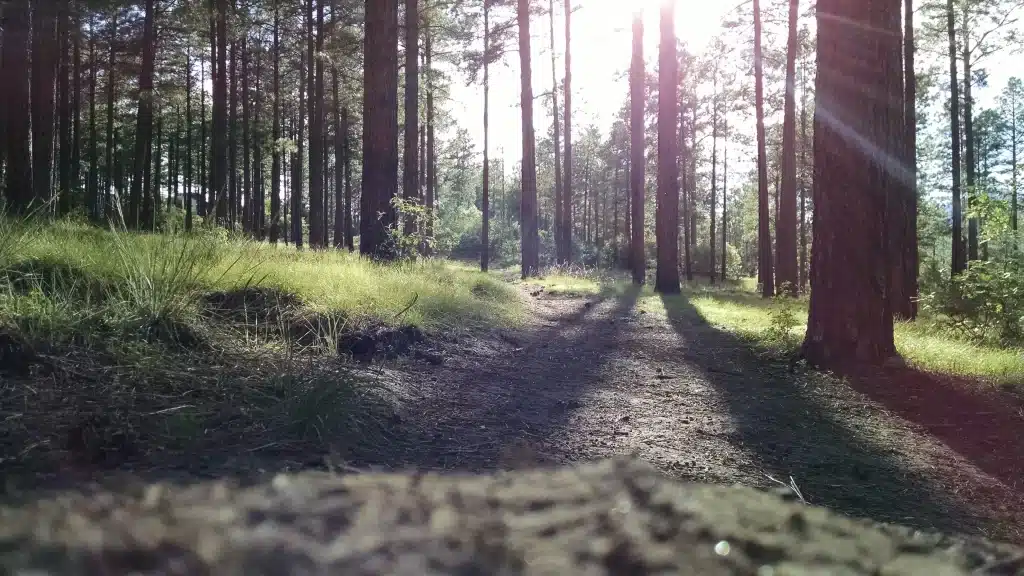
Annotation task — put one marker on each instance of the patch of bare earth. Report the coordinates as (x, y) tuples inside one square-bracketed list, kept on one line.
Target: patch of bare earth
[(596, 377)]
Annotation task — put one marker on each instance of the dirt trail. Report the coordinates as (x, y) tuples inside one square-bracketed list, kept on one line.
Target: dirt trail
[(596, 377)]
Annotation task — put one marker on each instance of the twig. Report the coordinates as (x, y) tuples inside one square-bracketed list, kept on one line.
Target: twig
[(792, 486), (169, 410)]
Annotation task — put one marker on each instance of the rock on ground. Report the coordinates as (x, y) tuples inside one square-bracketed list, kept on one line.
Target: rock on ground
[(610, 517)]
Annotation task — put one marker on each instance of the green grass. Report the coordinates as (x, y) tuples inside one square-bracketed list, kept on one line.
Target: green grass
[(71, 275), (779, 327)]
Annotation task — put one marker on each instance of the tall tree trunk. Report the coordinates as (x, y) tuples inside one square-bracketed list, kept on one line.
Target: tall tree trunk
[(688, 153), (275, 166), (528, 204), (316, 132), (339, 151), (380, 132), (259, 203), (667, 277), (347, 152), (560, 255), (151, 183), (785, 220), (714, 178), (44, 71), (189, 192), (959, 263), (246, 195), (144, 123), (410, 180), (725, 198), (850, 321), (765, 272), (64, 109), (804, 166), (637, 166), (970, 161), (234, 198), (93, 187), (296, 160), (903, 208), (430, 198), (219, 191), (111, 83), (567, 175), (76, 97), (485, 204), (18, 185)]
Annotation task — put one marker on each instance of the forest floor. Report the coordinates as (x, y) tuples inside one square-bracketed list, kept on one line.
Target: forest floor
[(583, 375), (623, 372)]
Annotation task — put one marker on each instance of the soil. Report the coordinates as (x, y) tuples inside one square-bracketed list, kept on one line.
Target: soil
[(593, 378), (590, 378)]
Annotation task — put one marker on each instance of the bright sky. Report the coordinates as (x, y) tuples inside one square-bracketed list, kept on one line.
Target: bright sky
[(601, 44)]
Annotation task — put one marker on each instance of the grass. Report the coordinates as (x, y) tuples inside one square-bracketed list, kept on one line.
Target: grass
[(131, 363), (778, 325)]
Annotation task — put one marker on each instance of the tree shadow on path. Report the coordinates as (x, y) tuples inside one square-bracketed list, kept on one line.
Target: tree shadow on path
[(514, 398), (809, 428)]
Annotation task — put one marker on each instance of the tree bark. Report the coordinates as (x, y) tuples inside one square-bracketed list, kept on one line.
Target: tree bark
[(76, 97), (410, 180), (765, 271), (567, 172), (219, 192), (637, 167), (275, 166), (144, 125), (246, 195), (93, 186), (725, 198), (714, 179), (189, 192), (346, 139), (528, 203), (485, 208), (850, 321), (785, 233), (316, 131), (380, 132), (970, 162), (903, 231), (18, 185), (44, 71), (667, 221), (64, 109), (560, 255), (959, 263)]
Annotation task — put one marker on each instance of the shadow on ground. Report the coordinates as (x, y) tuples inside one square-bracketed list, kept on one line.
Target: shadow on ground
[(792, 425)]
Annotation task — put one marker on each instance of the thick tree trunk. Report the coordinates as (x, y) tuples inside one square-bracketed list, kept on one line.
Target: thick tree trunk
[(410, 180), (667, 276), (528, 205), (380, 132), (144, 125), (567, 174), (316, 132), (850, 321), (765, 271), (234, 198), (18, 185), (638, 161), (785, 233), (44, 70), (804, 167), (959, 262), (560, 255)]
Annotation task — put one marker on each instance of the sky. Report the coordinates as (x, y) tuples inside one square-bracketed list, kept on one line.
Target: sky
[(601, 42)]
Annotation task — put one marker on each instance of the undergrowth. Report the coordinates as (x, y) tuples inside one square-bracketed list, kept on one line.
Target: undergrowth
[(203, 351)]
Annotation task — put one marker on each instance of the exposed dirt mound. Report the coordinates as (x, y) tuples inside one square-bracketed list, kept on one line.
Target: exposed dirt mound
[(252, 303), (613, 517)]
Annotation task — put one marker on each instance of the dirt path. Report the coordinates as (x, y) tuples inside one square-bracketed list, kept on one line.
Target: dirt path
[(589, 378)]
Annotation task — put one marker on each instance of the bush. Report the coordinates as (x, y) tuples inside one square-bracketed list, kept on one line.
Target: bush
[(985, 303)]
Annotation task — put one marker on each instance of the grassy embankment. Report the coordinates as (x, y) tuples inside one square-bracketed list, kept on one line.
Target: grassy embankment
[(126, 350), (779, 327)]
